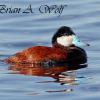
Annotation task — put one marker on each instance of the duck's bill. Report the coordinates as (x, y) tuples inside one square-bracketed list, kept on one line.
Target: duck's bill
[(79, 43)]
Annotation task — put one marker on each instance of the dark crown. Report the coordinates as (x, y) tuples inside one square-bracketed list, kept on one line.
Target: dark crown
[(62, 31)]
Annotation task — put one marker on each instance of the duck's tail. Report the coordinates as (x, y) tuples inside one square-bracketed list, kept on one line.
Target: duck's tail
[(2, 60), (6, 60)]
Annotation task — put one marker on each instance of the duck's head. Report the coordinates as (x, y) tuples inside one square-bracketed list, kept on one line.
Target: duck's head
[(66, 37)]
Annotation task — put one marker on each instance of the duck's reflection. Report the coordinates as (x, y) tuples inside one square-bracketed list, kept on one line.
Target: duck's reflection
[(55, 71)]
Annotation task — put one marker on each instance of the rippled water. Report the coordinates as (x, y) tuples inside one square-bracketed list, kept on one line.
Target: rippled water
[(23, 30)]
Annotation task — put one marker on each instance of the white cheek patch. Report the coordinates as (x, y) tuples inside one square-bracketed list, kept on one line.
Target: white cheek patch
[(65, 40)]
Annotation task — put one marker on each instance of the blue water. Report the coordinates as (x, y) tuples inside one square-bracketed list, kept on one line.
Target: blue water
[(23, 30)]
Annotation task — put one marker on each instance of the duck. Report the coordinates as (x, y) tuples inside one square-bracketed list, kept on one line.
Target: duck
[(66, 48)]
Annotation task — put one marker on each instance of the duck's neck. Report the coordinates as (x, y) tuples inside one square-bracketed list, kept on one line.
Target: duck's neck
[(56, 45)]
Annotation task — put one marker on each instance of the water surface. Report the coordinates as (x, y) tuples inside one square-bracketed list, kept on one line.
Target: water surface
[(20, 31)]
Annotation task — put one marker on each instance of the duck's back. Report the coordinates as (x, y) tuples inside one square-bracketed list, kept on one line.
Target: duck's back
[(39, 54)]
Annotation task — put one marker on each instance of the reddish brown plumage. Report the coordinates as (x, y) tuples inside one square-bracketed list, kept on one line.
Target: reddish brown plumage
[(58, 53), (38, 54)]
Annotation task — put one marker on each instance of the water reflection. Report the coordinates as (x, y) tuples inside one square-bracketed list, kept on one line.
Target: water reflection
[(62, 73)]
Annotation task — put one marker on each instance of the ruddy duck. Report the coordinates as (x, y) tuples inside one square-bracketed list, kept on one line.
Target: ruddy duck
[(66, 47)]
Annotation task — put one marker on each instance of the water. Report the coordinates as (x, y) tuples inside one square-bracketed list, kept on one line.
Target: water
[(23, 30)]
